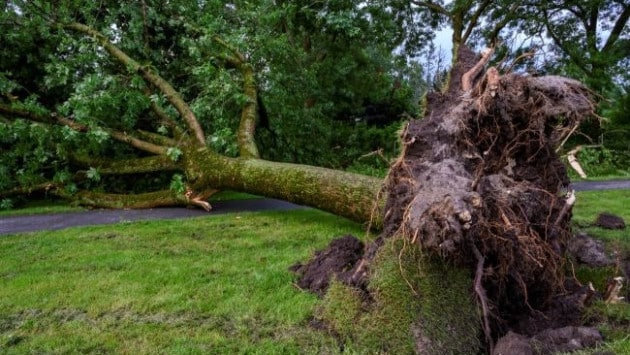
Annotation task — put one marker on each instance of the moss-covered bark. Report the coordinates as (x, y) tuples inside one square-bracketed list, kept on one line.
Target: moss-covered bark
[(342, 193), (249, 113), (247, 128), (129, 166), (163, 198), (145, 200)]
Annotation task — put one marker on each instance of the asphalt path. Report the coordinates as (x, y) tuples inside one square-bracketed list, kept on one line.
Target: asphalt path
[(20, 224)]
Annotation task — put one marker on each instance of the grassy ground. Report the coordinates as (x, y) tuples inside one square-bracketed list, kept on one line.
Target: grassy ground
[(215, 284), (612, 320), (203, 285), (45, 206)]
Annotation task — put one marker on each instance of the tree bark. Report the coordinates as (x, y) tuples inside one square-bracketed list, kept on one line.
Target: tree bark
[(350, 195)]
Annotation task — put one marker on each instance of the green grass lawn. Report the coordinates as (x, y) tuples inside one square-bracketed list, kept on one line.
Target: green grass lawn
[(44, 206), (612, 320), (202, 285), (215, 284)]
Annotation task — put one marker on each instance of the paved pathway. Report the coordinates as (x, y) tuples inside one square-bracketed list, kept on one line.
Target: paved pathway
[(19, 224), (601, 185)]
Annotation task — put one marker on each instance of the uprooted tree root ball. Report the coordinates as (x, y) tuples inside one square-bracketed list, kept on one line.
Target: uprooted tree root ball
[(480, 186)]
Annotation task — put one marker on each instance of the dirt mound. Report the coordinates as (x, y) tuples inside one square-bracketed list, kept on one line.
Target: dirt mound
[(586, 250), (337, 260), (550, 341), (610, 221)]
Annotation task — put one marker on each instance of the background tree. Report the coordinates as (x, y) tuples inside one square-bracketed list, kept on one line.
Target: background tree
[(591, 43)]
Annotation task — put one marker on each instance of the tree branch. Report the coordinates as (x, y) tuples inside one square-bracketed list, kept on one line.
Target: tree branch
[(157, 138), (167, 121), (501, 24), (156, 80), (576, 59), (154, 199), (474, 19), (79, 127), (433, 7), (136, 142), (128, 166), (590, 26), (239, 57), (621, 22), (28, 190), (247, 126)]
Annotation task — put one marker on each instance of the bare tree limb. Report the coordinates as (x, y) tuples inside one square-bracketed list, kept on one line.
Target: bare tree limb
[(574, 163)]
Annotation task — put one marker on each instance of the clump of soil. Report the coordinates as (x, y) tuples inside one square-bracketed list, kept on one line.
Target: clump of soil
[(336, 260), (479, 184), (610, 221), (549, 341), (588, 251)]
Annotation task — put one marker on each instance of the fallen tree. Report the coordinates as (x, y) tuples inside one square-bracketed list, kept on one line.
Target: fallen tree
[(206, 171), (479, 187), (476, 201)]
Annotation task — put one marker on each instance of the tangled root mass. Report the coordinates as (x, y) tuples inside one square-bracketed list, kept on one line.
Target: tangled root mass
[(479, 184), (479, 177)]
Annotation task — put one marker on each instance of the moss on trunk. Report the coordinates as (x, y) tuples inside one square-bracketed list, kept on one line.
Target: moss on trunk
[(146, 200), (345, 194)]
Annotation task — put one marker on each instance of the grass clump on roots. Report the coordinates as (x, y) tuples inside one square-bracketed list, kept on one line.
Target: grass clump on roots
[(415, 305)]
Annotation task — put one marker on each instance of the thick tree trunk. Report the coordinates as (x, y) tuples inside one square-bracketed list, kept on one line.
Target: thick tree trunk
[(345, 194)]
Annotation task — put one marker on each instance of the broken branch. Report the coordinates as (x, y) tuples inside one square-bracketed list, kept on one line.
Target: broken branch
[(469, 77)]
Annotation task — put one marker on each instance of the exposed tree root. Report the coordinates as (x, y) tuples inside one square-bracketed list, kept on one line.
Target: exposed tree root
[(479, 184), (483, 299)]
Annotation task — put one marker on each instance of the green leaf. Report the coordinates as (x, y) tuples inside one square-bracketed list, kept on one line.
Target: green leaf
[(174, 153), (177, 184), (93, 174)]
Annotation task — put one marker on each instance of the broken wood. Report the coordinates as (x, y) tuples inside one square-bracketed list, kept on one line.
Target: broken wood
[(574, 163)]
